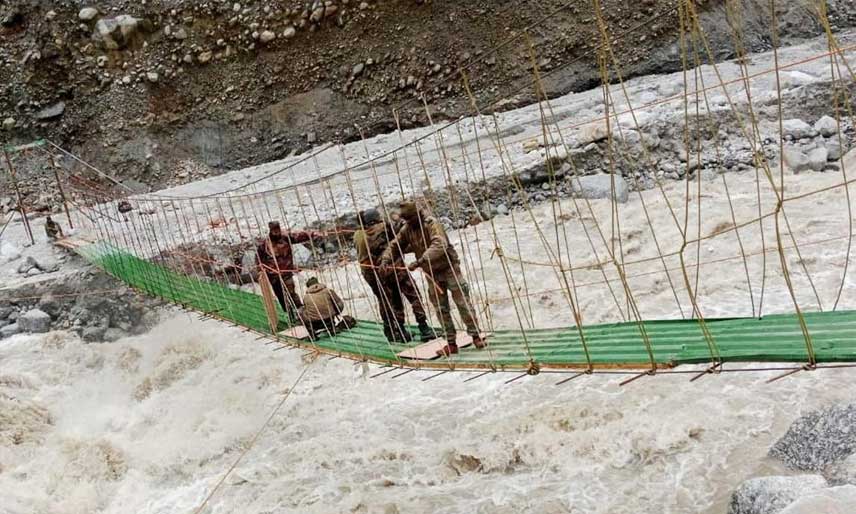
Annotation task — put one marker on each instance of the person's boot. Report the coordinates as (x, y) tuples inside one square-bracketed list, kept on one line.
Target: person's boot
[(450, 349), (426, 333), (403, 333), (388, 333), (479, 343)]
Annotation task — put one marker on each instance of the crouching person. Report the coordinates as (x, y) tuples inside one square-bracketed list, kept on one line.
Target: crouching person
[(322, 311)]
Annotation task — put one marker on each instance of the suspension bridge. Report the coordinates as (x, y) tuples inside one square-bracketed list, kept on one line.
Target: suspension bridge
[(559, 252)]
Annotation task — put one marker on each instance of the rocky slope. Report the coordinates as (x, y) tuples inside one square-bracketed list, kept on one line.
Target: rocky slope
[(167, 91)]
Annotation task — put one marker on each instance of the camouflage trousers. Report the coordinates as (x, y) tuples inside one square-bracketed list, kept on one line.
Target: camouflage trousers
[(441, 285), (391, 291)]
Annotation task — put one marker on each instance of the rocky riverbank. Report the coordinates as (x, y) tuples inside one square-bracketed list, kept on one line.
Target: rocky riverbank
[(819, 448), (167, 92), (82, 299)]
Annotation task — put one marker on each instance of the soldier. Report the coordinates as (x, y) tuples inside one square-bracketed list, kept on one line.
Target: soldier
[(321, 308), (425, 237), (275, 258), (371, 241), (52, 229)]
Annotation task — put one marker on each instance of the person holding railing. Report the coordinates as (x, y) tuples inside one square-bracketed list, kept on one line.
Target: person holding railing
[(275, 258), (425, 237)]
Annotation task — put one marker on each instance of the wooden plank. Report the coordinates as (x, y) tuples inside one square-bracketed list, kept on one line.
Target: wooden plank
[(428, 351), (296, 332), (269, 302), (72, 243)]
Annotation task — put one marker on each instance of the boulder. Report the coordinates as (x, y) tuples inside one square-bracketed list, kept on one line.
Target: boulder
[(818, 439), (826, 126), (835, 500), (49, 304), (843, 472), (117, 33), (302, 256), (267, 36), (817, 158), (9, 123), (796, 128), (51, 112), (796, 160), (248, 262), (35, 321), (9, 330), (592, 132), (26, 266), (46, 263), (94, 333), (769, 495), (87, 14), (289, 32), (204, 57), (600, 186), (834, 148), (8, 252)]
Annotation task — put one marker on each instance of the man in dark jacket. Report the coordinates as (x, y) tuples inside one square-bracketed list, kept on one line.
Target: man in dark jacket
[(425, 237), (275, 258)]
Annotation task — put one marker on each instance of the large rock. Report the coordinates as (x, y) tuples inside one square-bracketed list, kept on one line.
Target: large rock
[(796, 128), (817, 158), (543, 172), (8, 252), (35, 321), (46, 263), (51, 112), (826, 126), (834, 148), (9, 330), (818, 439), (835, 500), (769, 495), (592, 132), (600, 186), (843, 472), (119, 32), (94, 333), (302, 256), (87, 14), (26, 265), (796, 159)]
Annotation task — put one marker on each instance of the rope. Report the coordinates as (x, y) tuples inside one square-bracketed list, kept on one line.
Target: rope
[(254, 439)]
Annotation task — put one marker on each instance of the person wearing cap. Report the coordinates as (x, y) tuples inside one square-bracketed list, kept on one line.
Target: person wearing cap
[(275, 257), (321, 308), (371, 240), (425, 237)]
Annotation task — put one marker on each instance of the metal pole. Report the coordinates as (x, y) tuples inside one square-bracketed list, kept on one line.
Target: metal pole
[(61, 191), (21, 208)]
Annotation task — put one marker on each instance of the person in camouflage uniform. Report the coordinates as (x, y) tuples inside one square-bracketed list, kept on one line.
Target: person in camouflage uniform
[(425, 237), (390, 289)]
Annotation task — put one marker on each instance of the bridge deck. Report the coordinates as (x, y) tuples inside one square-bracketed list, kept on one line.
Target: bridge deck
[(774, 338)]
